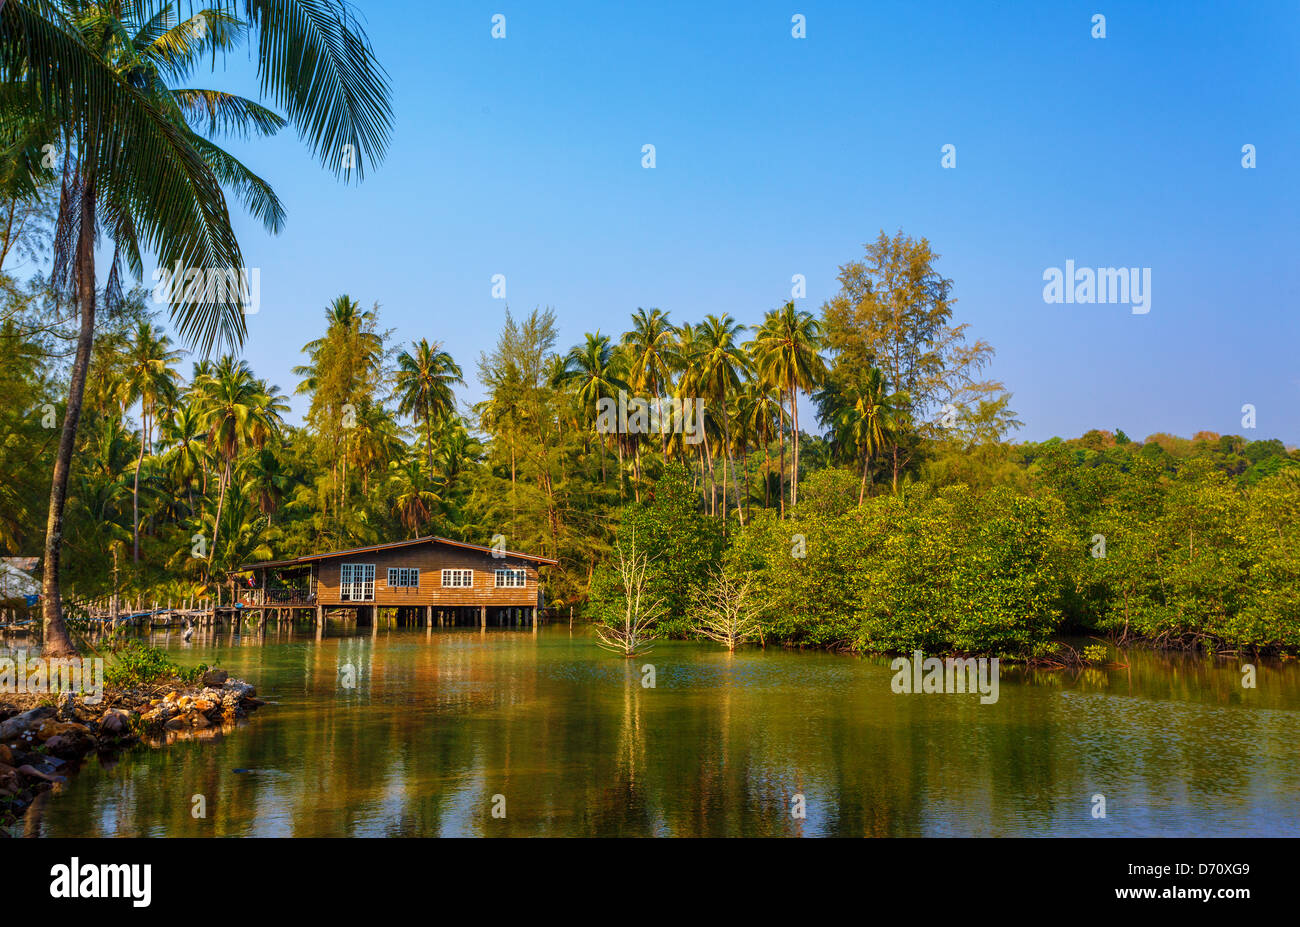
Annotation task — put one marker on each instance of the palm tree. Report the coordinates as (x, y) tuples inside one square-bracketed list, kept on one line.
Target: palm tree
[(690, 386), (424, 382), (149, 378), (183, 433), (374, 441), (860, 418), (97, 80), (761, 414), (266, 480), (347, 326), (723, 364), (650, 349), (455, 450), (413, 498), (787, 353), (239, 411), (594, 373), (343, 371)]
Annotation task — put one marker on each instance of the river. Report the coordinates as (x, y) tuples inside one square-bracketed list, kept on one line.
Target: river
[(457, 732)]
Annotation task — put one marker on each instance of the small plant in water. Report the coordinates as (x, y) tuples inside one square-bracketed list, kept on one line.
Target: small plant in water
[(1096, 653)]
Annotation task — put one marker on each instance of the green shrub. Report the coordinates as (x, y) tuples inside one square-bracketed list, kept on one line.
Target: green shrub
[(134, 663), (944, 572)]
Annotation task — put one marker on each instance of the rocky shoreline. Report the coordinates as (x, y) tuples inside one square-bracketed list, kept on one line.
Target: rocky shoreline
[(43, 744)]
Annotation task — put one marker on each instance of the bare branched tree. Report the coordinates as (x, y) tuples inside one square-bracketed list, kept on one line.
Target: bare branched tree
[(632, 635), (722, 611)]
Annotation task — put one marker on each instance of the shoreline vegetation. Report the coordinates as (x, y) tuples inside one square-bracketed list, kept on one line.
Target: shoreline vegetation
[(910, 522), (147, 700)]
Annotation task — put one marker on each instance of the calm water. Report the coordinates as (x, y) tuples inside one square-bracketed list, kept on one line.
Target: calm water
[(439, 723)]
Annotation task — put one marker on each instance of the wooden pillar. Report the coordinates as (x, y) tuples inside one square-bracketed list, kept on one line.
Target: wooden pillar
[(483, 615)]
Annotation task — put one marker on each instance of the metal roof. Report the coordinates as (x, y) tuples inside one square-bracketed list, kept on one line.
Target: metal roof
[(430, 539)]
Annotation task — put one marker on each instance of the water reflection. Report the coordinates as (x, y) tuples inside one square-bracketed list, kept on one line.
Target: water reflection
[(413, 732)]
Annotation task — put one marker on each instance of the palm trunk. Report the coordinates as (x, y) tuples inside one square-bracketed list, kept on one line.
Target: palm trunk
[(56, 639), (135, 497), (794, 440), (767, 474), (780, 430), (221, 502), (724, 489), (636, 469), (618, 443), (713, 480), (428, 437), (731, 461)]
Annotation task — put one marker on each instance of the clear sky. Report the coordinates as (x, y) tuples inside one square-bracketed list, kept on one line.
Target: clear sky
[(776, 156)]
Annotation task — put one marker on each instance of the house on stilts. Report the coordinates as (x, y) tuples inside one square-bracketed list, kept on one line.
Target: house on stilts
[(428, 580)]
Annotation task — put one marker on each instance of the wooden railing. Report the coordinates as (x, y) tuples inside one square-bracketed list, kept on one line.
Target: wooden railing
[(285, 596)]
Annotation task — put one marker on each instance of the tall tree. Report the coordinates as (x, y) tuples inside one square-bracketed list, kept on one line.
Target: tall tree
[(592, 370), (343, 373), (860, 419), (650, 349), (149, 379), (99, 82), (787, 353), (894, 311), (424, 387), (723, 366), (239, 411)]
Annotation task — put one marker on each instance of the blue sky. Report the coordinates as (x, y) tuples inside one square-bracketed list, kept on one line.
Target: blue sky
[(777, 156)]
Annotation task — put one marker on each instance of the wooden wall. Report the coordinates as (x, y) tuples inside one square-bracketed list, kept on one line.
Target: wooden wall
[(431, 559)]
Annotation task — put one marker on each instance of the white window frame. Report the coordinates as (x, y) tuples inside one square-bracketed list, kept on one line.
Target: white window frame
[(458, 579), (514, 579), (357, 582), (403, 577)]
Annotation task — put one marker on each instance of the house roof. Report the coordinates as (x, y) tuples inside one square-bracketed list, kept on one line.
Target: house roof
[(430, 539)]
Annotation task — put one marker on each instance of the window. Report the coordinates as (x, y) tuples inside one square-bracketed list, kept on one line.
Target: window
[(403, 578), (457, 579), (357, 582), (512, 579)]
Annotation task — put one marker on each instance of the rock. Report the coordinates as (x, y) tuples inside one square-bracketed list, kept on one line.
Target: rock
[(33, 773), (48, 729), (16, 726), (115, 722), (66, 738), (214, 678), (175, 724), (70, 747), (67, 710), (6, 756), (198, 722), (10, 783)]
